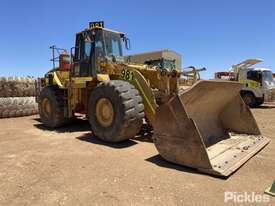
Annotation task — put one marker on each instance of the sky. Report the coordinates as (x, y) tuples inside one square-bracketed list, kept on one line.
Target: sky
[(214, 34)]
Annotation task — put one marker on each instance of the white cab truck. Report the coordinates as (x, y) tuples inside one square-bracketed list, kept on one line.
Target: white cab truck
[(258, 82)]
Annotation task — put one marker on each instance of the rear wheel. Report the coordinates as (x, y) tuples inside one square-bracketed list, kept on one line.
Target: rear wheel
[(260, 102), (51, 107), (116, 111), (249, 99)]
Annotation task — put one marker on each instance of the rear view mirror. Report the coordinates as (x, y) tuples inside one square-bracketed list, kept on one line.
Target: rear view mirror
[(127, 43)]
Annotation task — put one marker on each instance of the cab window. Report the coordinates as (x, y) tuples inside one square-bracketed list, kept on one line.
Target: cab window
[(99, 50), (87, 50), (77, 48), (254, 75)]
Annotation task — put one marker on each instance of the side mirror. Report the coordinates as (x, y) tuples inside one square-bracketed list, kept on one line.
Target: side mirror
[(127, 43)]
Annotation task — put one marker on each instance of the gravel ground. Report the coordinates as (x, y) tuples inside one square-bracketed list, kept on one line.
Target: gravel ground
[(69, 166)]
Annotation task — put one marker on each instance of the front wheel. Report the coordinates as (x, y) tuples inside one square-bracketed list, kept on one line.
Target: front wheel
[(116, 111), (249, 99)]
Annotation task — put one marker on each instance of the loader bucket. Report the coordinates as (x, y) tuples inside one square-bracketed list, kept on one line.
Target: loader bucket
[(208, 127)]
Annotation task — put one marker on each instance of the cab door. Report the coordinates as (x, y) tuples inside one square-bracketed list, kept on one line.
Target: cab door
[(83, 64)]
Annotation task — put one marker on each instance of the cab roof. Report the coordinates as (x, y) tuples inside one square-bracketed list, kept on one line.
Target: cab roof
[(105, 29), (262, 69)]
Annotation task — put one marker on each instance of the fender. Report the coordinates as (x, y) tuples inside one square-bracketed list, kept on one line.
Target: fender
[(142, 85)]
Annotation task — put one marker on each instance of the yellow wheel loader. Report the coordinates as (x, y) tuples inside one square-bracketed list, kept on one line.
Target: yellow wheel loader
[(207, 126)]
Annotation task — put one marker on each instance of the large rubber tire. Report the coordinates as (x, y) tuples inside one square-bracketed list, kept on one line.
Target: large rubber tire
[(17, 86), (55, 98), (259, 102), (249, 99), (17, 106), (128, 111)]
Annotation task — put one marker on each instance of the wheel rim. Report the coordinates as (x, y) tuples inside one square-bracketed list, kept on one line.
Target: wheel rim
[(104, 112), (46, 107)]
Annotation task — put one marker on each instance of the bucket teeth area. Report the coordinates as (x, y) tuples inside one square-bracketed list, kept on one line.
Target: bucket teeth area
[(229, 154), (208, 127)]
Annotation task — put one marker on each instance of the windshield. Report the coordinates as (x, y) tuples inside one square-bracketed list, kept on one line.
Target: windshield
[(169, 64), (162, 63), (267, 76), (112, 44)]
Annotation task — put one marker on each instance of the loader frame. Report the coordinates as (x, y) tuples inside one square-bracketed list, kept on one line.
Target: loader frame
[(192, 126)]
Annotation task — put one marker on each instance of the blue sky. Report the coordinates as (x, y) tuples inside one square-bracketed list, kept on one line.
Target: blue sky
[(213, 33)]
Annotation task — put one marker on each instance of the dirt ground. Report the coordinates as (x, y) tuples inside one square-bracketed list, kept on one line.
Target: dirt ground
[(69, 166)]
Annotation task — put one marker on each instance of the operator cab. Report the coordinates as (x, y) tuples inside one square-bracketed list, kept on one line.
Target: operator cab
[(266, 77), (95, 44), (262, 76)]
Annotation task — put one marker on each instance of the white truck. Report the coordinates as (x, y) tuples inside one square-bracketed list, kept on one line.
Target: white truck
[(258, 83)]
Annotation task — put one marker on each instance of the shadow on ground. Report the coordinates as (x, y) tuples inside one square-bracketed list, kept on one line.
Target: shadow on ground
[(265, 107), (92, 139), (82, 125), (145, 134), (78, 125), (159, 161)]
